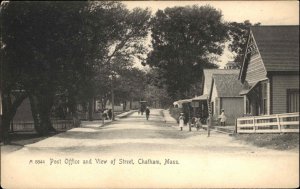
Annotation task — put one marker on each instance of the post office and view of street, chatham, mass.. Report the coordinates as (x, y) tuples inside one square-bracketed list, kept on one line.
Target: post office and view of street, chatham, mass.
[(149, 94)]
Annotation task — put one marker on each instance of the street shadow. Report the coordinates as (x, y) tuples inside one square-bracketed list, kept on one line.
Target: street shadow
[(104, 134)]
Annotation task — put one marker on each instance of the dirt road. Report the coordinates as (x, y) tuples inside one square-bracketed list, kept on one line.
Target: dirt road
[(134, 152)]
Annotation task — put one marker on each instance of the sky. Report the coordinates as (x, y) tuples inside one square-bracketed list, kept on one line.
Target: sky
[(265, 12)]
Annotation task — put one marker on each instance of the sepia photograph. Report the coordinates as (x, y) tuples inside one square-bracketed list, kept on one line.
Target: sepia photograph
[(149, 94)]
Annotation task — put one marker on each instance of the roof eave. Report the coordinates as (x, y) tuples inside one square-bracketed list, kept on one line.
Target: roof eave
[(242, 70)]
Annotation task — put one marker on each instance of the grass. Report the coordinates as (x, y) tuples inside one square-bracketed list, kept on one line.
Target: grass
[(283, 141)]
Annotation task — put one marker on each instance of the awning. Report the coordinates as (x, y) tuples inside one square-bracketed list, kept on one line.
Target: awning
[(200, 98), (248, 87), (180, 102)]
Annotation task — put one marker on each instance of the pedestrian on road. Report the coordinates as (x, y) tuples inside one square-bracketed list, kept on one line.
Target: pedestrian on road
[(198, 123), (104, 115), (222, 118), (109, 112), (181, 121), (147, 113)]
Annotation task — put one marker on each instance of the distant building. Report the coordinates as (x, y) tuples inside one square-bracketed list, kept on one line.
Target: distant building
[(270, 71)]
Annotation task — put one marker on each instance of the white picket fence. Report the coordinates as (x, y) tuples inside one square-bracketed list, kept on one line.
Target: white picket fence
[(276, 123)]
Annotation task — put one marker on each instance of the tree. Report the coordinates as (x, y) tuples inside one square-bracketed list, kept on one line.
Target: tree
[(238, 33), (63, 50), (40, 47), (185, 40), (125, 41), (130, 86)]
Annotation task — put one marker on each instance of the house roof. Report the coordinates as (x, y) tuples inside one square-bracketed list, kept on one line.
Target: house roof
[(208, 73), (227, 85), (200, 98), (278, 46)]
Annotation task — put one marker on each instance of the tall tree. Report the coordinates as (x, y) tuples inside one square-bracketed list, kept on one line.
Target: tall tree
[(185, 40), (125, 42), (40, 47), (55, 49)]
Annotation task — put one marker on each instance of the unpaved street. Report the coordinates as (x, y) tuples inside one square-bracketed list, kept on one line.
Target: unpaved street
[(134, 152)]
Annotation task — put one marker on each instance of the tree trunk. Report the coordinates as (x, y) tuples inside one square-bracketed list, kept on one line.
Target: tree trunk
[(9, 111), (90, 109), (130, 105), (72, 105), (124, 105), (41, 113)]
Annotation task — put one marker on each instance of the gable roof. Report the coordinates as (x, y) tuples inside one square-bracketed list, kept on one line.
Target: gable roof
[(208, 74), (227, 85), (278, 46)]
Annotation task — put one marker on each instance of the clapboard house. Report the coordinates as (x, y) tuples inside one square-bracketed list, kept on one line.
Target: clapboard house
[(270, 70), (224, 95), (200, 103)]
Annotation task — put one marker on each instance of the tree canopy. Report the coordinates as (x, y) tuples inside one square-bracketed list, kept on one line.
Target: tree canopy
[(185, 40)]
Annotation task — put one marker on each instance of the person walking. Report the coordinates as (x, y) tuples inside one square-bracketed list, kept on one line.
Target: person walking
[(198, 123), (109, 112), (222, 118), (147, 113), (104, 115), (181, 121)]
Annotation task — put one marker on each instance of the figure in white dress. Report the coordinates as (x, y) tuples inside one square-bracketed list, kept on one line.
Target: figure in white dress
[(222, 118), (181, 121)]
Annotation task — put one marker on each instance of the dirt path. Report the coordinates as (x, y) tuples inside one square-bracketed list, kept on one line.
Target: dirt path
[(140, 153)]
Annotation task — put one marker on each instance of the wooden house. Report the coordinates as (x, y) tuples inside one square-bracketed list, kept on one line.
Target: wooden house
[(200, 102), (270, 70), (224, 95), (220, 88)]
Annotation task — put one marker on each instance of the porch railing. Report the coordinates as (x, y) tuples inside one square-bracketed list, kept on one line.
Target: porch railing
[(276, 123)]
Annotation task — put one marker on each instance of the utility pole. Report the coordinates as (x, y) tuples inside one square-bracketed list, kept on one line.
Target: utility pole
[(102, 109), (209, 117), (112, 98), (190, 128)]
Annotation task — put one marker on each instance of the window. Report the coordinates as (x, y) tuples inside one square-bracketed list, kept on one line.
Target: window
[(292, 100), (264, 97), (248, 107)]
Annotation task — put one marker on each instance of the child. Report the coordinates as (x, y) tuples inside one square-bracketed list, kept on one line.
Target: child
[(181, 121), (222, 118), (198, 123)]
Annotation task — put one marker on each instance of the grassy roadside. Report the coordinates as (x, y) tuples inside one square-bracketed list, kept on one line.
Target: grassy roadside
[(285, 141)]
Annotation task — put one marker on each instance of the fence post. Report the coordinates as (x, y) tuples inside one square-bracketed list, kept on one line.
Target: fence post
[(254, 129), (278, 123)]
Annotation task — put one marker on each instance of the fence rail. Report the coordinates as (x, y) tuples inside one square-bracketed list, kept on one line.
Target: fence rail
[(277, 123), (28, 126)]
